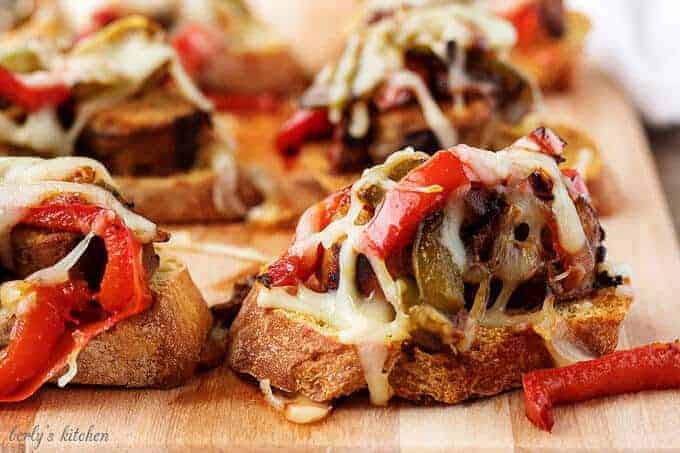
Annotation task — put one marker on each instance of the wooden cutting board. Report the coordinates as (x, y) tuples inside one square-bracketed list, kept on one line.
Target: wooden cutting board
[(219, 410)]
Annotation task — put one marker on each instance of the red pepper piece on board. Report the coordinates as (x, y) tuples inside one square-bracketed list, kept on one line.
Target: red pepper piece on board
[(651, 367)]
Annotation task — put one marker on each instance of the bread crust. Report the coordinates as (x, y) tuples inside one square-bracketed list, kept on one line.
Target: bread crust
[(297, 356), (158, 348), (185, 197)]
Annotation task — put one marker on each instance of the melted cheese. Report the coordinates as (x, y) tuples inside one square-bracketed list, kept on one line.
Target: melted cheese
[(299, 409), (449, 233), (435, 118), (493, 168), (58, 273), (34, 169), (16, 198)]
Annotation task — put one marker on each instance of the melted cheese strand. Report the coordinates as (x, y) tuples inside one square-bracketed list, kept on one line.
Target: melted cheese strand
[(299, 410), (435, 118), (58, 273)]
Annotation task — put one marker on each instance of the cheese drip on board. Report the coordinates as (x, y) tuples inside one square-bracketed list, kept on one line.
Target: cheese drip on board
[(101, 71), (381, 320)]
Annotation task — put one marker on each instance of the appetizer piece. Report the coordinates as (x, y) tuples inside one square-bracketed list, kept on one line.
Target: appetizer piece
[(550, 38), (437, 278), (428, 77), (226, 51), (121, 96), (84, 296)]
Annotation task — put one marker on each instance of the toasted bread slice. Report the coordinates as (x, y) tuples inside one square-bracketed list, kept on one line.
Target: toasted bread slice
[(187, 197), (161, 347), (298, 355), (157, 133)]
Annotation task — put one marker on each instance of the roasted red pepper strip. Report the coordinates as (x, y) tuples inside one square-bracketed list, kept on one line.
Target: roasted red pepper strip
[(52, 317), (301, 260), (31, 98), (304, 125), (197, 45), (245, 103), (651, 367), (406, 205), (527, 24)]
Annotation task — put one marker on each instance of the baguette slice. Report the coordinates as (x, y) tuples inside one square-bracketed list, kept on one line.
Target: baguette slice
[(186, 197), (297, 355), (158, 348)]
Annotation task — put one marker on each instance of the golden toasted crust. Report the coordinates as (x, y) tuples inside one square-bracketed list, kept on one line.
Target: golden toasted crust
[(157, 133), (158, 348), (185, 197), (297, 356), (552, 65)]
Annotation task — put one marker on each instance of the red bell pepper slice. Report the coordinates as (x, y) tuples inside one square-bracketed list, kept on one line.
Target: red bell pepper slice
[(197, 45), (301, 259), (245, 103), (651, 367), (406, 205), (51, 329), (31, 97), (304, 125), (527, 24)]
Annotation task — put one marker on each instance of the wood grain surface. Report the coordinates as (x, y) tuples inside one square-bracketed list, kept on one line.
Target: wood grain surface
[(219, 410)]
